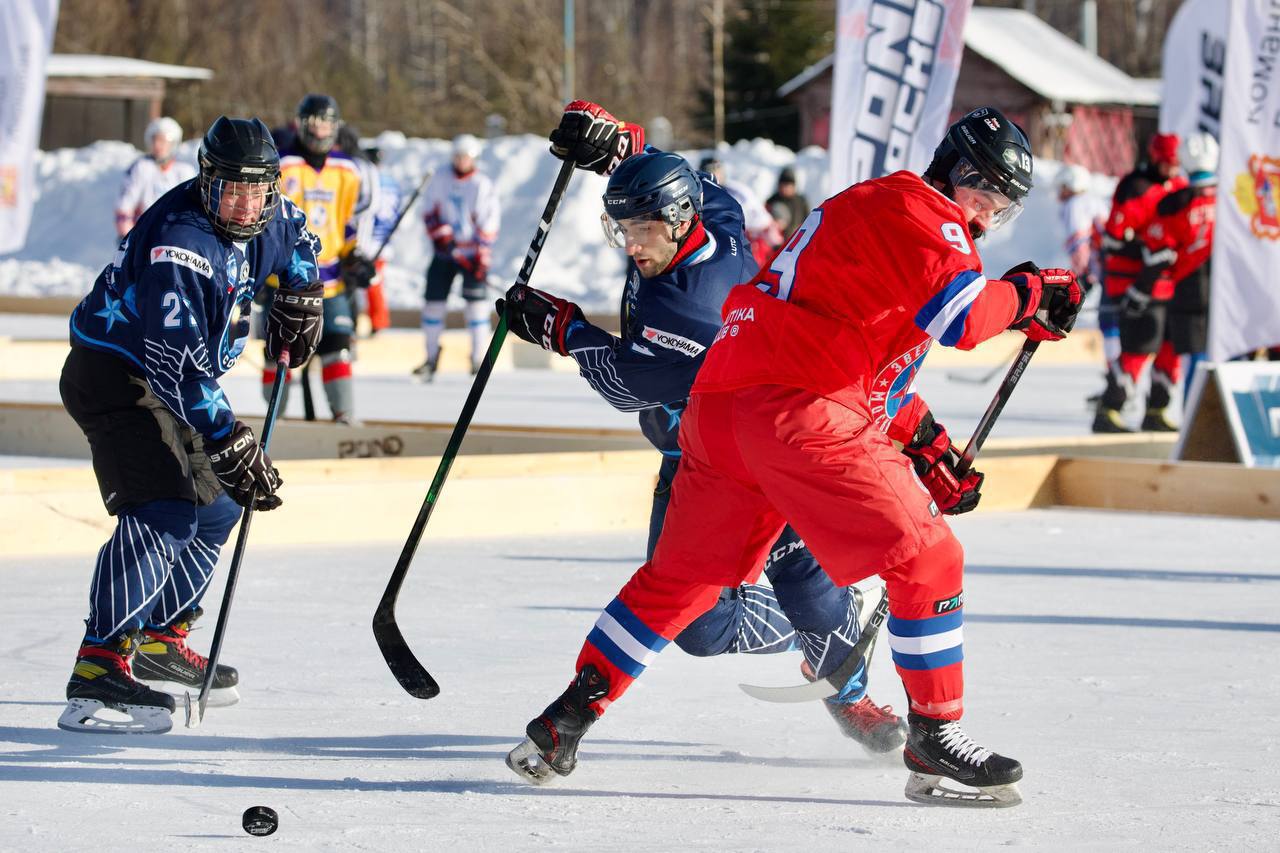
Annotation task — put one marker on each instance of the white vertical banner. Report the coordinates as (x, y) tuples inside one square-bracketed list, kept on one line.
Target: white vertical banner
[(895, 72), (1244, 300), (26, 37), (1192, 67)]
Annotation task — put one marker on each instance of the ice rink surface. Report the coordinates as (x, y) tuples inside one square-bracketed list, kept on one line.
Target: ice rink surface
[(1128, 661)]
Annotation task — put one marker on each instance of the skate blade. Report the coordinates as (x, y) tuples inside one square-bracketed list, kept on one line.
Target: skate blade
[(83, 715), (928, 789), (527, 763), (219, 697)]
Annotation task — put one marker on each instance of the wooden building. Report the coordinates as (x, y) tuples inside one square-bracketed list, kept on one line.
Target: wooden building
[(1075, 106), (89, 97)]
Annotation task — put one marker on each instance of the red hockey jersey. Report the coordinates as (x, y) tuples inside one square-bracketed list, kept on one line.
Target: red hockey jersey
[(849, 308)]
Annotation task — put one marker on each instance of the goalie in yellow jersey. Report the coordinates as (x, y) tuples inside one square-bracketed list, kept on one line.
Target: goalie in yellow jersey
[(324, 182)]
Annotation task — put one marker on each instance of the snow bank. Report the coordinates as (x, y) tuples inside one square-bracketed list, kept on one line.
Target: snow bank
[(73, 236)]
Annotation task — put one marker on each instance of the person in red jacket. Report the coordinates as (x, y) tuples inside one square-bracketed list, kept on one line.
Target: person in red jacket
[(793, 418), (1178, 246), (1133, 208)]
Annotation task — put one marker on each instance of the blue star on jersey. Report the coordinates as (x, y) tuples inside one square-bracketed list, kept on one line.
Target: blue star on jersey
[(169, 300), (213, 402), (112, 312)]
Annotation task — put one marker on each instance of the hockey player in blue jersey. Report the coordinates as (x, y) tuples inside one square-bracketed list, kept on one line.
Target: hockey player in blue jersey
[(162, 323), (686, 242)]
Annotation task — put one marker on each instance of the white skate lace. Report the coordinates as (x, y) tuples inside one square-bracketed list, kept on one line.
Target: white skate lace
[(961, 745)]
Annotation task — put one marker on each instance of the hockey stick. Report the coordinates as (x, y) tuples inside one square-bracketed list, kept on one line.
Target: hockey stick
[(411, 674), (835, 681), (308, 402), (400, 215), (196, 715)]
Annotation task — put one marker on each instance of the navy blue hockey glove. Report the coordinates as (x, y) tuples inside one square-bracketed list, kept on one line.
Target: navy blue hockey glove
[(935, 462), (592, 139), (540, 318), (294, 324), (357, 271), (244, 469)]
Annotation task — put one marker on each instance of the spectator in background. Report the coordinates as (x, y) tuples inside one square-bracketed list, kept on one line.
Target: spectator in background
[(462, 216), (762, 231), (1084, 217), (153, 174), (787, 206)]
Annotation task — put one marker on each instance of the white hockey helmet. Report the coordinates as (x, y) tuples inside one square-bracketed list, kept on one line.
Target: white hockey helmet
[(1198, 155), (466, 145), (1074, 178), (163, 126)]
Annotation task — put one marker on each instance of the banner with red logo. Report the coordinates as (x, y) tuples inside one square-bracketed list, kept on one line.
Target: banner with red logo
[(1244, 304), (895, 73), (26, 37)]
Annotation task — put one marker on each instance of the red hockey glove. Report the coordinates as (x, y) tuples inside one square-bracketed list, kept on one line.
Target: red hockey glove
[(539, 317), (935, 461), (476, 266), (591, 138), (1048, 300)]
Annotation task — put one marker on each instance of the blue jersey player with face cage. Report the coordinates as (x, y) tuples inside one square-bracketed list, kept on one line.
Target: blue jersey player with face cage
[(149, 342), (687, 247)]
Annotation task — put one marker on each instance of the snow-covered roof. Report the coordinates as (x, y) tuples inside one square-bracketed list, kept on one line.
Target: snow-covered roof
[(92, 65), (1037, 56), (1049, 63)]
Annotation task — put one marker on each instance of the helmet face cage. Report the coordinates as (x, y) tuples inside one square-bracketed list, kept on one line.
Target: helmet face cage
[(965, 175), (214, 186), (657, 186), (313, 110), (615, 232)]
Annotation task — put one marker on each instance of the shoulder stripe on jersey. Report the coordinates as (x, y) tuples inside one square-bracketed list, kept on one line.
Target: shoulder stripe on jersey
[(942, 317), (702, 253)]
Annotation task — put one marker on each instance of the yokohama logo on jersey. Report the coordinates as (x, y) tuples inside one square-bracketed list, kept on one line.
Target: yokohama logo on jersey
[(183, 258), (670, 341)]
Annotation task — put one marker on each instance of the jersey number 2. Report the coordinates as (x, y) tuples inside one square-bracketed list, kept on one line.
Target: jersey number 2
[(173, 306)]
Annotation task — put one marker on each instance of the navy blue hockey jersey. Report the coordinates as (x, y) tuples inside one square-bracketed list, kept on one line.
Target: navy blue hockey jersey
[(175, 301), (668, 321)]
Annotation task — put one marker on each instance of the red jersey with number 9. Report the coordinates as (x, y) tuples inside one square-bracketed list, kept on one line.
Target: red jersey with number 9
[(849, 308)]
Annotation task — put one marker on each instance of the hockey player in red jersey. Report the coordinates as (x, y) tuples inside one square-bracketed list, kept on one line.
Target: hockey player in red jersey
[(794, 416), (1177, 248), (1133, 207)]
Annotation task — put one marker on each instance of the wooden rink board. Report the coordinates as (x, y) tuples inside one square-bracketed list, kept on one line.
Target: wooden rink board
[(58, 510)]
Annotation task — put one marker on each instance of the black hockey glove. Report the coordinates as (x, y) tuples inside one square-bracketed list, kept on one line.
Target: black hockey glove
[(540, 318), (1134, 302), (1048, 301), (244, 469), (591, 138), (935, 462), (294, 324), (357, 271)]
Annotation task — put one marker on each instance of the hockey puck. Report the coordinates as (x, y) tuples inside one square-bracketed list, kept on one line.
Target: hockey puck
[(260, 820)]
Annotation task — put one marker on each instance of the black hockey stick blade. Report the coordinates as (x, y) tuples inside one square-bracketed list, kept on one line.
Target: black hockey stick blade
[(195, 715), (404, 665), (834, 682)]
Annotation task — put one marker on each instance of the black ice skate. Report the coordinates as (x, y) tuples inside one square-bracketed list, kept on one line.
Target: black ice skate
[(101, 683), (939, 749), (551, 742), (165, 660), (426, 372), (1157, 420)]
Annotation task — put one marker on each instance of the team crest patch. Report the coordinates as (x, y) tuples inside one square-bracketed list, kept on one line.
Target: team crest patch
[(894, 385), (183, 258), (1257, 194)]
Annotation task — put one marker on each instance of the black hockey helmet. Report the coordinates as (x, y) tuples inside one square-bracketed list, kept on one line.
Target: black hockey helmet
[(984, 150), (238, 151), (314, 109), (655, 185)]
